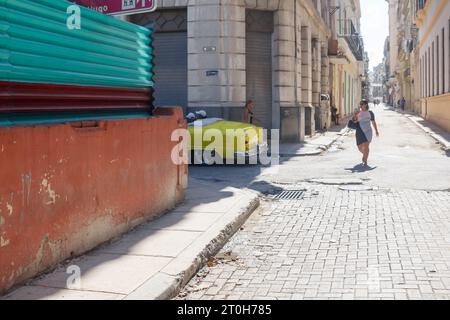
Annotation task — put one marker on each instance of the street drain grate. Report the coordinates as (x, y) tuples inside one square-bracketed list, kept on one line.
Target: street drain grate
[(290, 195)]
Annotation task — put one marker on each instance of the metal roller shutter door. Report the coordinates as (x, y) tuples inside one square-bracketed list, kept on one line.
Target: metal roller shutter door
[(170, 65), (259, 75)]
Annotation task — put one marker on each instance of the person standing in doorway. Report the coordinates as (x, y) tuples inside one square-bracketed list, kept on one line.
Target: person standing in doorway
[(334, 115), (362, 121), (249, 112), (403, 103)]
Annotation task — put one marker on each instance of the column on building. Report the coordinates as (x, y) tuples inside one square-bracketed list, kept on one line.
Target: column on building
[(306, 98), (216, 58), (416, 80), (316, 80), (299, 68), (325, 86), (447, 56), (287, 112)]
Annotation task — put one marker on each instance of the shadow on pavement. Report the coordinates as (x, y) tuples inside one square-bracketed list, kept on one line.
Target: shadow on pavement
[(208, 186), (360, 168)]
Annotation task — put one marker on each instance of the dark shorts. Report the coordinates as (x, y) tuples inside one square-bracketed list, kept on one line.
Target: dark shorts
[(360, 136)]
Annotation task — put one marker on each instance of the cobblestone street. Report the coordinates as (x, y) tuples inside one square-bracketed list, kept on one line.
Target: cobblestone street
[(335, 244), (340, 241)]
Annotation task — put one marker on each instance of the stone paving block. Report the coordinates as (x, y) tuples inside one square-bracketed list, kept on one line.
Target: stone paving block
[(348, 253)]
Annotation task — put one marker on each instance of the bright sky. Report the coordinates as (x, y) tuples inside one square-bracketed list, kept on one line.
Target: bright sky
[(375, 28)]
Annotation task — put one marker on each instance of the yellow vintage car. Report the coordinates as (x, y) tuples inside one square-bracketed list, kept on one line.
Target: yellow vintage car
[(217, 141)]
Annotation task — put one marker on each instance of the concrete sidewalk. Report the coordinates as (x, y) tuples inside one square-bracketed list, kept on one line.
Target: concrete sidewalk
[(157, 259), (438, 134), (313, 146)]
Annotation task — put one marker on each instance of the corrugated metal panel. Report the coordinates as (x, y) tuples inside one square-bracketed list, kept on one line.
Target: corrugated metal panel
[(31, 119), (26, 97), (37, 46), (259, 76), (171, 69)]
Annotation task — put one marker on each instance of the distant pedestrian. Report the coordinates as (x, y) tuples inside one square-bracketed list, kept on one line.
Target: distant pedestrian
[(249, 112), (362, 121), (334, 115), (403, 103)]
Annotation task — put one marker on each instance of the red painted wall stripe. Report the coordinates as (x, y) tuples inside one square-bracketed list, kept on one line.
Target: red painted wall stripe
[(22, 97)]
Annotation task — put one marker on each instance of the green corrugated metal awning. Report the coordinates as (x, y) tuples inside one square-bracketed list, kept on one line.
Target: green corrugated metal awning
[(37, 46)]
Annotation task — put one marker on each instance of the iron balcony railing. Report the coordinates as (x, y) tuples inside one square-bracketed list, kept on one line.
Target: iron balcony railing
[(420, 4), (348, 31)]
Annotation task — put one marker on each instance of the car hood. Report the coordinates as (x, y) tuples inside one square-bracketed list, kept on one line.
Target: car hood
[(218, 123)]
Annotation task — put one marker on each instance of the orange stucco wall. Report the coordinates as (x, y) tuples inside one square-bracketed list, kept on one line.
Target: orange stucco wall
[(65, 190)]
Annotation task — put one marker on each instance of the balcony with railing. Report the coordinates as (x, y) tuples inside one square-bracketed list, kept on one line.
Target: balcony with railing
[(420, 11), (420, 4), (348, 31)]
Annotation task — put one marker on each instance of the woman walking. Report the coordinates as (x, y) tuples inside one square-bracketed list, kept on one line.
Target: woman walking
[(362, 121)]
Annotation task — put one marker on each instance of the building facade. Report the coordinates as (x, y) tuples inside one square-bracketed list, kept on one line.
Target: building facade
[(405, 69), (376, 81), (392, 84), (366, 78), (418, 58), (216, 55), (346, 57), (387, 90), (433, 20)]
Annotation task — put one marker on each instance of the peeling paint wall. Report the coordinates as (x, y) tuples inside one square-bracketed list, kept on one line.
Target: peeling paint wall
[(64, 189)]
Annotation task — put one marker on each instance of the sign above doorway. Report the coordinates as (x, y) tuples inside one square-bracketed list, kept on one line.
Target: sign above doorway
[(118, 7), (212, 73)]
